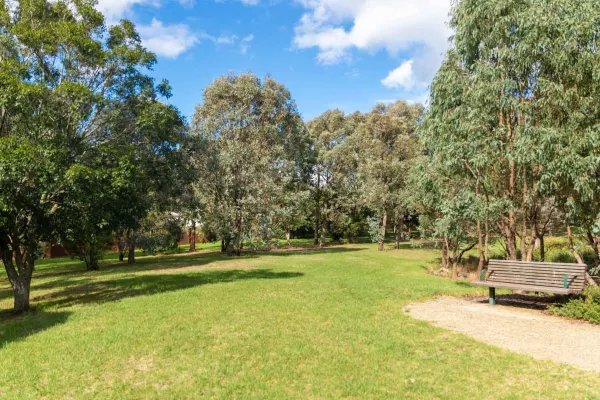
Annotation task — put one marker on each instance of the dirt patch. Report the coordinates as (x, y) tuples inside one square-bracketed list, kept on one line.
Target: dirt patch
[(522, 330)]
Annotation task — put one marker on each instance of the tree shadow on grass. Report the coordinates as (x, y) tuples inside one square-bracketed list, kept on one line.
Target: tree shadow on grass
[(131, 286), (466, 284), (74, 275), (184, 260), (532, 301), (15, 327)]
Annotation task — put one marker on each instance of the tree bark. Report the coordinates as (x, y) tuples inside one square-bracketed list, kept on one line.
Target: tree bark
[(594, 242), (288, 236), (445, 256), (21, 290), (534, 234), (192, 235), (121, 242), (383, 229), (20, 275), (399, 226), (131, 243), (317, 211), (480, 248), (324, 229), (572, 249)]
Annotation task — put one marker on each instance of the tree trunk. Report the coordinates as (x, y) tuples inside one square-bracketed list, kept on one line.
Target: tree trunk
[(121, 242), (19, 275), (534, 236), (131, 255), (572, 249), (524, 249), (542, 248), (288, 236), (398, 229), (454, 261), (21, 290), (90, 257), (317, 211), (445, 257), (324, 233), (510, 241), (223, 247), (192, 235), (594, 242), (383, 229)]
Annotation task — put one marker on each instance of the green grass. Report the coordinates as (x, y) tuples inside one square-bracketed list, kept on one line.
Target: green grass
[(294, 324)]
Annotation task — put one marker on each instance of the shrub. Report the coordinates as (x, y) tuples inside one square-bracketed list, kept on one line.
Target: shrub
[(586, 307), (160, 232)]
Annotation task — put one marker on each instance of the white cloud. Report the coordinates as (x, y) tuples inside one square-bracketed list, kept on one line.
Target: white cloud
[(187, 3), (245, 43), (245, 2), (114, 10), (401, 77), (336, 27), (167, 40), (223, 39)]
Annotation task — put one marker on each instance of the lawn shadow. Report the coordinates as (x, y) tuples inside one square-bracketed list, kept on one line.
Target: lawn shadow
[(15, 327), (524, 301), (312, 250), (131, 286), (466, 284), (185, 260)]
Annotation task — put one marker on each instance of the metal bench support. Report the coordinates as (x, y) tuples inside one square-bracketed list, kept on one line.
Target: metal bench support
[(492, 296)]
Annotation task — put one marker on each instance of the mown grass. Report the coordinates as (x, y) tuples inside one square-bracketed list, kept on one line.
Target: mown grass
[(289, 324)]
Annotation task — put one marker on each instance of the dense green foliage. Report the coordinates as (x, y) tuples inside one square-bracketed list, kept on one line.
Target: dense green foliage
[(586, 308), (84, 139), (512, 129)]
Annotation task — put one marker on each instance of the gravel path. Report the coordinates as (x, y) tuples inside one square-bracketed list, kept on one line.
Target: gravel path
[(524, 331)]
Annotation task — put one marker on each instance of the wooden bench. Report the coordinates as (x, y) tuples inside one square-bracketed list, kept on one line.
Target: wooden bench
[(557, 278)]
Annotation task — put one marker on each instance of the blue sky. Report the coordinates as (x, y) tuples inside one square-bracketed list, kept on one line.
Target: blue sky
[(346, 54)]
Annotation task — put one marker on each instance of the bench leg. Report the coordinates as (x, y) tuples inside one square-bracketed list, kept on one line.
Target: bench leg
[(492, 296)]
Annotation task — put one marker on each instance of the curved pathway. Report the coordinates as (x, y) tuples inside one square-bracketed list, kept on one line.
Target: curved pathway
[(524, 331)]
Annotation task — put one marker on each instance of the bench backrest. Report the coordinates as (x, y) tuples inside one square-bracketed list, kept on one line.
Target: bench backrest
[(551, 275)]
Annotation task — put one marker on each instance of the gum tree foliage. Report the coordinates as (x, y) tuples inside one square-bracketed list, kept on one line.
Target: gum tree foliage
[(335, 182), (251, 142), (155, 132), (63, 76), (386, 146), (514, 116)]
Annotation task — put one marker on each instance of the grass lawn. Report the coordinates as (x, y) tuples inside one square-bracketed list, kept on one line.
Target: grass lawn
[(289, 324)]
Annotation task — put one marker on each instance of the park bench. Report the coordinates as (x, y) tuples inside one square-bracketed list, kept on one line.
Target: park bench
[(557, 278)]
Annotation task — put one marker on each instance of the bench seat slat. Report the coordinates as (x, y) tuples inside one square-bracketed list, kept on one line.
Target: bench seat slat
[(558, 285), (536, 263), (529, 288), (558, 278), (527, 274), (534, 269)]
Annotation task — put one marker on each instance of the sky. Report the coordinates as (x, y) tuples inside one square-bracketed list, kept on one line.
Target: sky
[(346, 54)]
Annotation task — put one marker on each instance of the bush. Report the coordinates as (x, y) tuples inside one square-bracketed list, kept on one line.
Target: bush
[(160, 232), (587, 307)]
